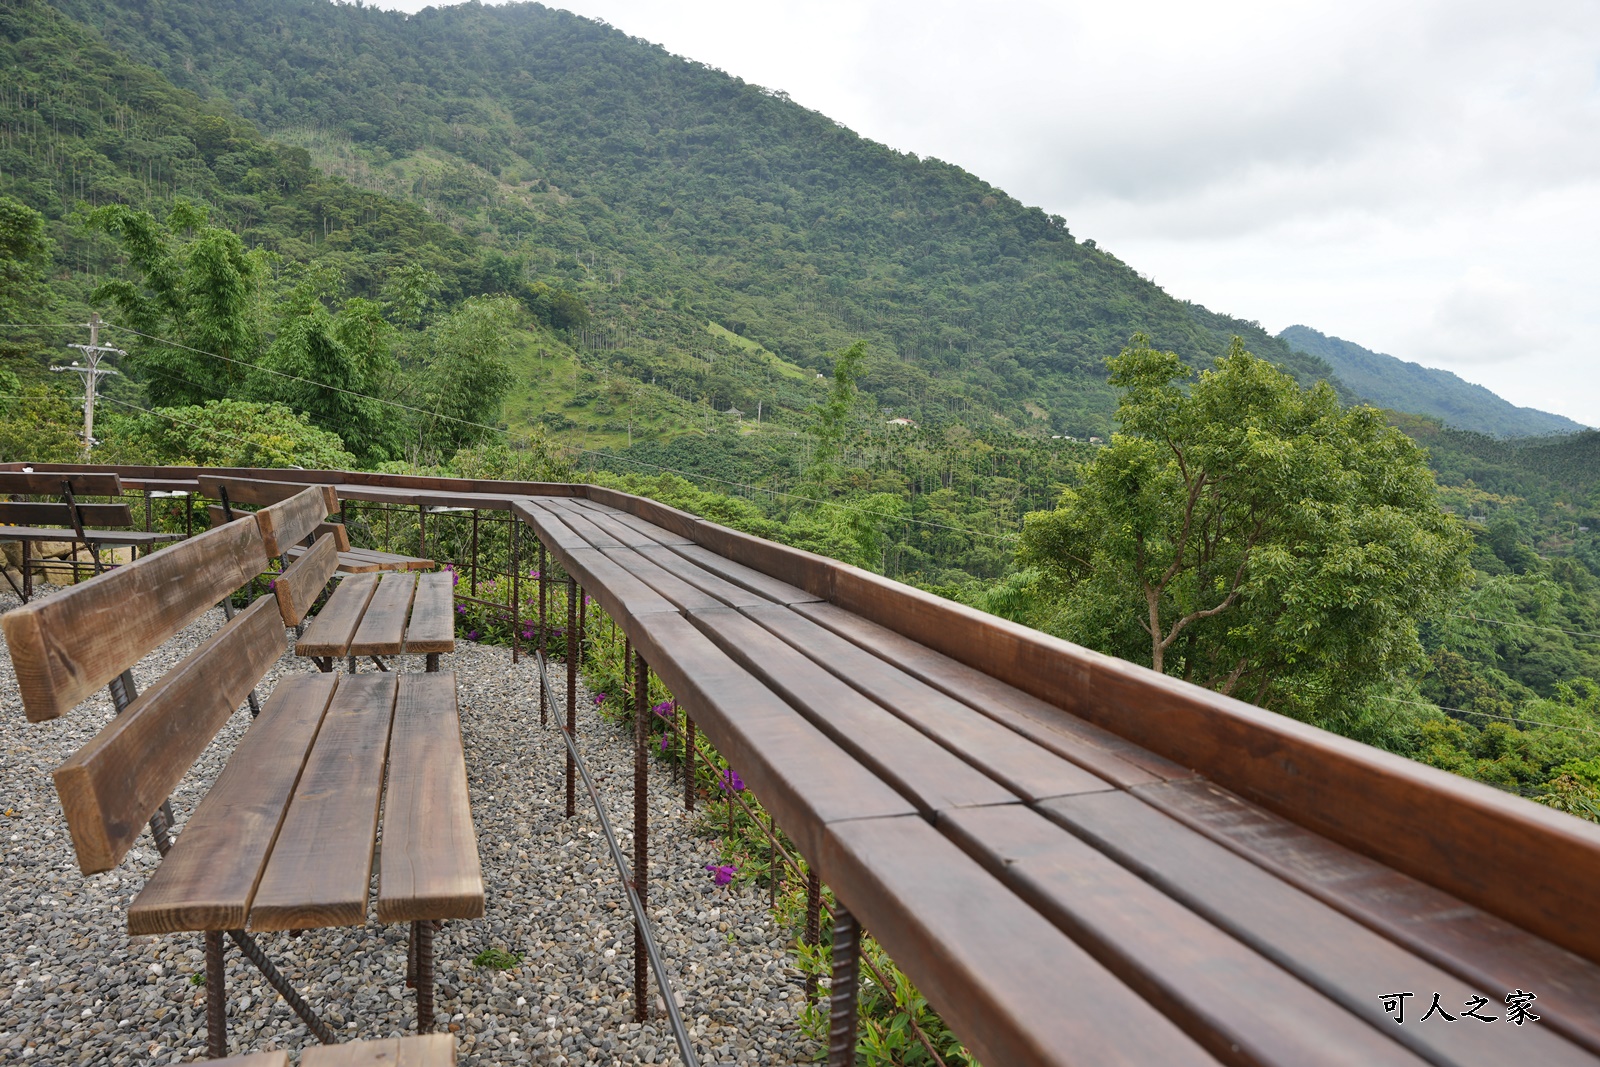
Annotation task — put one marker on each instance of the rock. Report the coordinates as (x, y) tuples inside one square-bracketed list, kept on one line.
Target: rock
[(12, 551)]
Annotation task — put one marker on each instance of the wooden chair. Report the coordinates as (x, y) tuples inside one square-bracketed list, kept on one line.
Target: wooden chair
[(284, 839), (67, 518)]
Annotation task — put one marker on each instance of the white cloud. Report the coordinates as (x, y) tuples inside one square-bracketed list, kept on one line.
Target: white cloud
[(1420, 178)]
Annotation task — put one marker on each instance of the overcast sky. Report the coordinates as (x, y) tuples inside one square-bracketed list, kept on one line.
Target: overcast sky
[(1422, 178)]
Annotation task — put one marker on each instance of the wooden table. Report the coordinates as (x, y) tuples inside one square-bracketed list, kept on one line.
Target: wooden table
[(384, 615)]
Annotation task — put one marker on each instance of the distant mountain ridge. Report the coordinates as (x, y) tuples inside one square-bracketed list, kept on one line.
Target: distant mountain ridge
[(1400, 385)]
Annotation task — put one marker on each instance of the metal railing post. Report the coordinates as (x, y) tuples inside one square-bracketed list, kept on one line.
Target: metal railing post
[(544, 592), (572, 692), (641, 830), (843, 990)]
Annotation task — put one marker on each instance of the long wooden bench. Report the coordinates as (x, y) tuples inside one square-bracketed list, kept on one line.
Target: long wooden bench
[(427, 1050), (69, 518), (231, 490), (1060, 893), (285, 837)]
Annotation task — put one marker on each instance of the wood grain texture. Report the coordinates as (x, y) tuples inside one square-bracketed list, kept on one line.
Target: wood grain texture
[(1101, 751), (321, 864), (582, 522), (67, 646), (371, 558), (93, 537), (920, 769), (1027, 769), (1340, 958), (298, 587), (110, 787), (433, 616), (253, 1059), (383, 626), (259, 492), (1017, 990), (1212, 986), (208, 879), (658, 534), (28, 514), (429, 867), (422, 1050), (681, 594), (763, 585), (725, 592), (619, 593), (336, 530), (1467, 941), (291, 520), (43, 483), (331, 631), (548, 525)]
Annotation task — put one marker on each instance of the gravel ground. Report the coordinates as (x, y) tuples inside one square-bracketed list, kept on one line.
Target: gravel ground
[(75, 988)]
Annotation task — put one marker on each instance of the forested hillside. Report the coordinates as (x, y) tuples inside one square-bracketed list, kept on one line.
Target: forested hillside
[(1395, 383)]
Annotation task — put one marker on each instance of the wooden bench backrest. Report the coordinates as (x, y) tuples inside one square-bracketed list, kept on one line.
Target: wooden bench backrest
[(299, 585), (291, 520), (255, 491), (67, 646), (91, 515), (29, 483)]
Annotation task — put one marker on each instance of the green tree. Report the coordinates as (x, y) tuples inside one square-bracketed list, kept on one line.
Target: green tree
[(833, 415), (224, 433), (1247, 534), (24, 257), (467, 374)]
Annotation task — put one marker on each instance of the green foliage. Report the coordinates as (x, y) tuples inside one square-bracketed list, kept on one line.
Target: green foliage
[(24, 257), (467, 375), (497, 959), (223, 433), (1250, 536)]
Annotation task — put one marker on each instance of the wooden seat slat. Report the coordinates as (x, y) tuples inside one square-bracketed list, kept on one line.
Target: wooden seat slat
[(734, 596), (298, 587), (257, 492), (578, 519), (433, 622), (278, 1058), (779, 592), (206, 882), (429, 865), (66, 647), (1462, 939), (681, 594), (331, 631), (292, 519), (26, 513), (1340, 958), (1090, 746), (804, 779), (1212, 986), (1017, 990), (423, 1050), (113, 538), (618, 592), (1025, 768), (382, 631), (371, 561), (609, 524), (554, 532), (46, 483), (336, 530), (928, 775), (640, 525), (319, 871), (110, 786)]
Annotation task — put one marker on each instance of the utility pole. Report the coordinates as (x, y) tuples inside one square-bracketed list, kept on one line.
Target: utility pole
[(92, 373)]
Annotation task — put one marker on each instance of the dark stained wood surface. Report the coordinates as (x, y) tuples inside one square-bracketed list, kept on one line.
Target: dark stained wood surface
[(298, 587), (382, 631), (110, 787), (728, 594), (331, 632), (655, 533), (257, 492), (41, 483), (429, 865), (291, 520), (23, 513), (763, 585), (206, 882), (64, 648), (104, 538), (433, 619), (321, 864), (681, 594)]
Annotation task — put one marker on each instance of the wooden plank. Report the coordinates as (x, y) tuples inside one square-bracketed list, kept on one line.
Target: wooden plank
[(1017, 990), (30, 514), (383, 627), (803, 779), (929, 776), (259, 492), (433, 617), (621, 594), (336, 530), (1212, 986), (331, 631), (385, 561), (1030, 771), (1330, 952), (1101, 751), (421, 1050), (110, 786), (658, 534), (67, 646), (208, 879), (681, 594), (42, 483), (321, 863), (1467, 941), (253, 1059), (429, 867), (734, 596), (551, 530), (763, 585), (292, 520), (298, 587), (608, 525), (578, 520), (103, 538)]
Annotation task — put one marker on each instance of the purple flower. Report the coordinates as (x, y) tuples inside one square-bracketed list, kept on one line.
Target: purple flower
[(664, 739), (533, 574), (271, 585), (600, 698), (731, 782), (527, 635), (664, 709), (472, 635), (723, 873), (461, 609)]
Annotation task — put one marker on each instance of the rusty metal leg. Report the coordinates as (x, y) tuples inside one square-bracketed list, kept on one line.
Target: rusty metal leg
[(423, 932), (27, 572), (252, 952), (572, 694), (516, 589), (688, 763), (813, 925), (216, 997), (843, 992), (583, 625), (411, 957), (772, 861), (544, 592), (641, 831), (432, 663)]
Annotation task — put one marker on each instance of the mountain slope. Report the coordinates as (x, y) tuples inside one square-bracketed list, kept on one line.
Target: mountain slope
[(1402, 386), (671, 195)]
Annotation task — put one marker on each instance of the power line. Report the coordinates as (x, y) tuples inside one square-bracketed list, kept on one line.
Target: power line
[(1492, 715), (575, 448), (1522, 625)]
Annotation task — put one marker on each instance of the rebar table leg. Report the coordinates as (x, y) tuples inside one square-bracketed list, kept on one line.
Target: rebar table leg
[(813, 925), (641, 830), (688, 762), (422, 932), (842, 994), (544, 590), (216, 997), (572, 694)]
